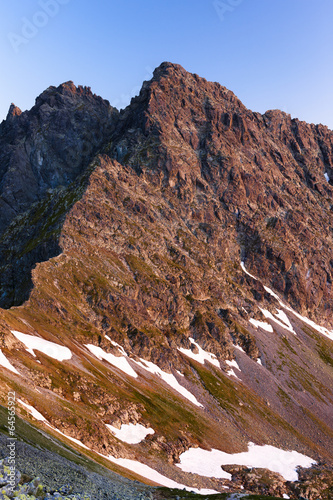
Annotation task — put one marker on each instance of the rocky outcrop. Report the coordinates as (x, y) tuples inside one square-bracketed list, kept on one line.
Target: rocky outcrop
[(50, 145), (42, 152)]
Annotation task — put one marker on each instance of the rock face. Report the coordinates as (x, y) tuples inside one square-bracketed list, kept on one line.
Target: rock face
[(138, 222), (42, 150), (264, 174)]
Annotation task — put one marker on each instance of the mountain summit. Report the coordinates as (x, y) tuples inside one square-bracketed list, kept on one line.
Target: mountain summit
[(169, 266)]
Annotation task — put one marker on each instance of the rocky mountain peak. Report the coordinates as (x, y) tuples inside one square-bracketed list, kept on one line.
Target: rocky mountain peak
[(13, 111), (196, 139), (67, 94), (48, 148)]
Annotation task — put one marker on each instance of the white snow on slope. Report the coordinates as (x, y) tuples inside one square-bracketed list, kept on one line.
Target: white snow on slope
[(6, 364), (273, 294), (118, 361), (231, 373), (236, 346), (234, 364), (122, 363), (281, 315), (320, 329), (327, 177), (33, 411), (149, 473), (69, 437), (269, 315), (201, 356), (262, 324), (38, 416), (51, 349), (115, 344), (169, 379), (245, 271), (131, 433), (208, 463)]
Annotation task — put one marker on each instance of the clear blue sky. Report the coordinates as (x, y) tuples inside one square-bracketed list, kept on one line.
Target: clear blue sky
[(270, 53)]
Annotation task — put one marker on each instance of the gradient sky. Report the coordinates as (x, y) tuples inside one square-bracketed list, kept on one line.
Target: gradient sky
[(270, 53)]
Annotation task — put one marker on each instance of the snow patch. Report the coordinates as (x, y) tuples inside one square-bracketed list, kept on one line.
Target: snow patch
[(6, 364), (234, 364), (169, 379), (259, 361), (131, 433), (245, 271), (33, 411), (262, 324), (115, 344), (119, 362), (122, 363), (273, 294), (33, 343), (270, 316), (69, 437), (320, 329), (149, 473), (239, 348), (327, 177), (38, 416), (209, 463), (281, 315), (231, 373), (201, 356)]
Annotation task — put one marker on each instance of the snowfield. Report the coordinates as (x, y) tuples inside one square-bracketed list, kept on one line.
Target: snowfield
[(201, 356), (169, 379), (122, 363), (32, 411), (38, 416), (262, 324), (274, 318), (6, 364), (281, 315), (245, 271), (233, 364), (149, 473), (131, 433), (33, 343), (210, 463), (119, 362)]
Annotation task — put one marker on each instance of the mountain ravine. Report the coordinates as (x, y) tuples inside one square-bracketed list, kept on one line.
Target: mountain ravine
[(166, 279)]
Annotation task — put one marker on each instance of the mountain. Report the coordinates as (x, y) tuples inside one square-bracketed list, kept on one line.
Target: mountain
[(178, 256), (42, 152)]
